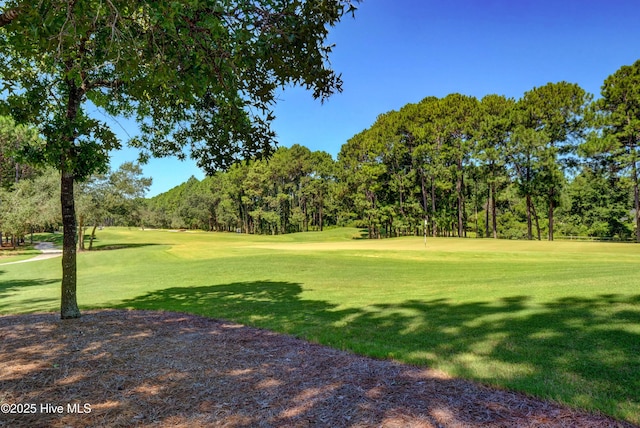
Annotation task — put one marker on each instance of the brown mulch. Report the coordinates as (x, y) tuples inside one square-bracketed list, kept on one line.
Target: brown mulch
[(155, 369)]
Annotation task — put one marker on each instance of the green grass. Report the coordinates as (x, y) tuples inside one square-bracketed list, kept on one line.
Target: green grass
[(9, 255), (558, 320)]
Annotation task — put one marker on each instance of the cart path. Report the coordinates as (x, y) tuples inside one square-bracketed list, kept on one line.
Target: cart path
[(48, 252)]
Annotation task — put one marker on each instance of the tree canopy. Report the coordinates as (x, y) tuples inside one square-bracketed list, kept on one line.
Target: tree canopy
[(200, 75), (453, 166)]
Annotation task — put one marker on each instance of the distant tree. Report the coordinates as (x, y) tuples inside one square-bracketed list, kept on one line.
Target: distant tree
[(126, 188), (554, 113), (322, 180), (424, 130), (90, 202), (525, 154), (361, 168), (30, 205), (235, 198), (13, 138), (402, 212), (596, 205), (493, 134), (198, 74), (619, 118), (460, 114)]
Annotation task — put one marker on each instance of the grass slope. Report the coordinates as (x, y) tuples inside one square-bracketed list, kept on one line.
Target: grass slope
[(559, 320)]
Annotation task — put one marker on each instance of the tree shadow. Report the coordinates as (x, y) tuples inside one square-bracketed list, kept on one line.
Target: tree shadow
[(582, 351), (108, 247), (169, 369), (11, 287), (14, 285), (55, 238), (262, 303)]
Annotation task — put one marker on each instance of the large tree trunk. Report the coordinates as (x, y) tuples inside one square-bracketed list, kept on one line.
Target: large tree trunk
[(68, 304)]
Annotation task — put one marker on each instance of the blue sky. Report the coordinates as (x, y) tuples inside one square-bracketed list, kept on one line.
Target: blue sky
[(399, 51)]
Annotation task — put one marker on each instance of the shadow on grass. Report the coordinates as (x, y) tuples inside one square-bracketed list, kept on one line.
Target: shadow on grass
[(107, 247), (581, 351), (138, 368), (15, 285), (55, 238), (9, 288)]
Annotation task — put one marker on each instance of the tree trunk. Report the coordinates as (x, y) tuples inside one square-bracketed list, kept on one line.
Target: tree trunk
[(551, 208), (475, 208), (320, 214), (494, 219), (636, 199), (535, 216), (459, 189), (80, 226), (433, 210), (92, 237), (68, 304), (529, 225), (486, 212), (423, 189)]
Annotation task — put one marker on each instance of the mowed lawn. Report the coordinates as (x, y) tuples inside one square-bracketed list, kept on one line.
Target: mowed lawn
[(558, 320)]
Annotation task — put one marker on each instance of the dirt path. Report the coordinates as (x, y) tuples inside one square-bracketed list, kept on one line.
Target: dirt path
[(48, 251), (152, 369)]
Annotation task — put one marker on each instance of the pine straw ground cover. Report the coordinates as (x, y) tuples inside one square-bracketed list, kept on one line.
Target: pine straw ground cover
[(155, 369)]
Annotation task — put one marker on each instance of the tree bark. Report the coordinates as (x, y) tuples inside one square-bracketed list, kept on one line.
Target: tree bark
[(68, 305)]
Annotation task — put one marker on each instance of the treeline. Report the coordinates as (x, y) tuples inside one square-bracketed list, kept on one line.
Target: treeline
[(550, 163), (293, 191)]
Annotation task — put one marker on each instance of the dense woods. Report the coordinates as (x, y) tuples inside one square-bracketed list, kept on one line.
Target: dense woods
[(553, 163)]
